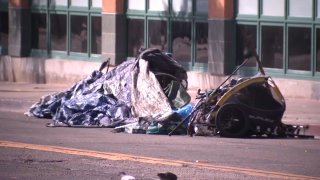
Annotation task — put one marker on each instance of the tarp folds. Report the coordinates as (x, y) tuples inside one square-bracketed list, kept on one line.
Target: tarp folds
[(131, 91), (147, 96)]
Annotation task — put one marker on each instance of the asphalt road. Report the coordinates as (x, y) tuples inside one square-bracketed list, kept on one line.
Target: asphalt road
[(29, 150)]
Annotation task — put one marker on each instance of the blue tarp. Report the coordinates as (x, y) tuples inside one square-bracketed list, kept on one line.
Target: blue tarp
[(104, 99)]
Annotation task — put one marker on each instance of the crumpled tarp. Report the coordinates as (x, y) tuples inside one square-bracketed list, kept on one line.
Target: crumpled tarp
[(121, 96), (147, 89)]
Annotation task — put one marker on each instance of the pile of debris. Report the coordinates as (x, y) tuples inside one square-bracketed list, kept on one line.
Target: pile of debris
[(147, 94), (143, 94), (242, 107)]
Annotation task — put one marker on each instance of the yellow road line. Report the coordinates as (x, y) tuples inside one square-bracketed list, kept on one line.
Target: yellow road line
[(150, 160)]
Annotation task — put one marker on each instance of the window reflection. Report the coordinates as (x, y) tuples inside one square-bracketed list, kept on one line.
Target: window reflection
[(96, 35), (272, 46), (96, 3), (58, 32), (298, 8), (318, 9), (3, 1), (246, 42), (318, 50), (182, 6), (202, 42), (248, 7), (158, 34), (136, 4), (79, 33), (181, 41), (54, 3), (158, 5), (38, 3), (39, 31), (80, 3), (3, 31), (299, 48), (135, 36), (202, 6), (269, 8)]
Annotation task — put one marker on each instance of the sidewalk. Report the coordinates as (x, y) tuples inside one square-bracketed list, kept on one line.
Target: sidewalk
[(18, 97)]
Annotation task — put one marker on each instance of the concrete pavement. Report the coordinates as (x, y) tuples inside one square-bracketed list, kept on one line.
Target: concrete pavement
[(18, 97)]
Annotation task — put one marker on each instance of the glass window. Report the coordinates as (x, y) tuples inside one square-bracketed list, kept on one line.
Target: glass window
[(58, 32), (202, 6), (3, 1), (318, 9), (79, 33), (96, 35), (318, 50), (39, 3), (182, 6), (3, 31), (39, 31), (272, 46), (248, 7), (298, 8), (273, 7), (299, 48), (135, 36), (202, 42), (80, 3), (246, 42), (157, 33), (181, 41), (96, 3), (136, 5), (58, 3), (158, 5)]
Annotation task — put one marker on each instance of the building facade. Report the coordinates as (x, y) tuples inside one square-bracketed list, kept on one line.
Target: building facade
[(54, 41)]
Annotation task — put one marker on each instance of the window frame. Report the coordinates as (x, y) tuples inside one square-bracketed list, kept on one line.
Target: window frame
[(273, 70), (300, 18), (78, 54), (147, 39), (286, 22), (144, 29), (272, 18), (171, 16), (299, 72), (68, 10), (38, 52), (4, 8), (316, 73)]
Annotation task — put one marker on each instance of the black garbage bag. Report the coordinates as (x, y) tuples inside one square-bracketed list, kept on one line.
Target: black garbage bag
[(164, 67)]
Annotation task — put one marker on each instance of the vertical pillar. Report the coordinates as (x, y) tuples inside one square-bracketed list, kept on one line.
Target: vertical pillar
[(19, 28), (221, 36), (114, 31)]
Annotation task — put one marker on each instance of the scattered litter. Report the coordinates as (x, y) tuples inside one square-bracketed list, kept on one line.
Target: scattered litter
[(167, 176), (125, 176)]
